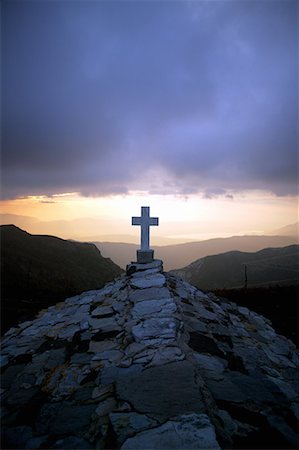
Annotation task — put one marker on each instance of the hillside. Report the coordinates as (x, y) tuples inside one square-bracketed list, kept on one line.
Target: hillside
[(37, 271), (180, 255), (271, 266)]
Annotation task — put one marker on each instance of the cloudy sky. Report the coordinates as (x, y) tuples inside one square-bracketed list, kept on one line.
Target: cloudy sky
[(169, 99)]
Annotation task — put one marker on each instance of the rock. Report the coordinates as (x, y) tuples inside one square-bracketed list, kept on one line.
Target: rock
[(166, 355), (152, 293), (284, 387), (72, 419), (10, 374), (211, 366), (278, 423), (225, 390), (145, 273), (164, 328), (81, 358), (106, 406), (36, 442), (102, 392), (129, 423), (72, 442), (110, 355), (102, 311), (3, 360), (16, 437), (46, 417), (187, 432), (205, 344), (50, 358), (21, 396), (98, 347), (157, 280), (162, 307), (178, 390), (105, 324), (64, 380), (135, 267)]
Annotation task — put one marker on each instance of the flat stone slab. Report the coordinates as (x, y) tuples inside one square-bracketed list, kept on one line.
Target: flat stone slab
[(145, 272), (151, 293), (129, 423), (161, 328), (161, 307), (135, 267), (156, 280), (162, 391), (102, 311), (188, 432)]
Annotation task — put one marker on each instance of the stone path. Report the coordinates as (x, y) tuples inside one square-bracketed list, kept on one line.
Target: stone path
[(150, 362)]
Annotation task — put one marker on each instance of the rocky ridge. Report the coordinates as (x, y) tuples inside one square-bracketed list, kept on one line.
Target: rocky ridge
[(149, 361)]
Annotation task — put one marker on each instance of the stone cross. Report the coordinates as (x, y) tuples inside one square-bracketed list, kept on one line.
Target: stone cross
[(145, 254)]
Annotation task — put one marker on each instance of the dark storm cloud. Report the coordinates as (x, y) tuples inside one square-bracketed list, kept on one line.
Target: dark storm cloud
[(100, 96)]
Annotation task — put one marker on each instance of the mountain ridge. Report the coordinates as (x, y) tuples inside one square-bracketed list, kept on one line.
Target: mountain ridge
[(179, 255), (227, 270)]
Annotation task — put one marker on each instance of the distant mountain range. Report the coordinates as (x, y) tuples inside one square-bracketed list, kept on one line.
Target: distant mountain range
[(37, 271), (271, 266), (288, 230), (180, 255)]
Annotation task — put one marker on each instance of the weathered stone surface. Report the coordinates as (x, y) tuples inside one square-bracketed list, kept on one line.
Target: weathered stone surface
[(211, 366), (36, 442), (164, 328), (50, 358), (3, 360), (144, 366), (105, 324), (102, 311), (110, 355), (157, 280), (188, 432), (178, 391), (129, 423), (72, 419), (161, 307), (135, 267), (101, 346), (106, 406), (72, 442), (151, 293), (64, 380), (16, 437), (102, 392), (145, 273)]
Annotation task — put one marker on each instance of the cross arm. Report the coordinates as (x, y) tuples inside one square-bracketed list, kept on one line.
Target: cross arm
[(136, 220), (154, 221)]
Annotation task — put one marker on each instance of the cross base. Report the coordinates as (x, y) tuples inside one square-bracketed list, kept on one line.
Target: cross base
[(145, 256)]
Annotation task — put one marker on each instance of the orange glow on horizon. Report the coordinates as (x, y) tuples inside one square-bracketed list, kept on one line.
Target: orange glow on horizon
[(70, 215)]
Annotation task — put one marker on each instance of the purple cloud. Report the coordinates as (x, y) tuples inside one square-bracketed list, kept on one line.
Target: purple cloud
[(99, 95)]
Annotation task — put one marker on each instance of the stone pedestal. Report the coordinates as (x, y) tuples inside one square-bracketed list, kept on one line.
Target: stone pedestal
[(145, 256)]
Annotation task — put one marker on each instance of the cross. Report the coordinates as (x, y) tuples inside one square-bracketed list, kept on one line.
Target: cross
[(145, 221)]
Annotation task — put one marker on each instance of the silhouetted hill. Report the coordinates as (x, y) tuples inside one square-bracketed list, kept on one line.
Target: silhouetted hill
[(180, 255), (37, 271), (272, 266)]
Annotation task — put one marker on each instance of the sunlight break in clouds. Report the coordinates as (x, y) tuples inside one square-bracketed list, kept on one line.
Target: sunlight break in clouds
[(181, 218)]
